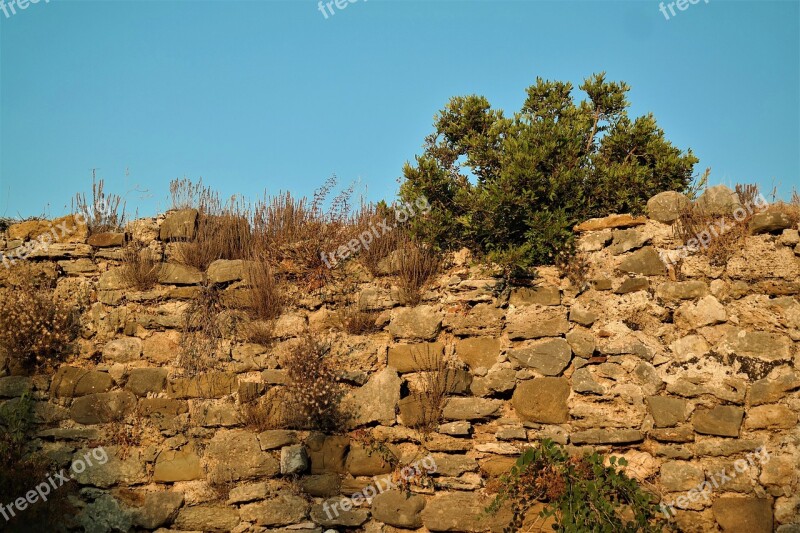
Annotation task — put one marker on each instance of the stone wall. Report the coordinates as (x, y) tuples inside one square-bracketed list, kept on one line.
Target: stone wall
[(682, 371)]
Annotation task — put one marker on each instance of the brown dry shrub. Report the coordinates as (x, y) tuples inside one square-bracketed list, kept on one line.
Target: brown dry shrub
[(313, 392), (694, 222), (139, 267), (383, 246), (265, 412), (418, 263), (36, 330), (357, 321), (574, 266), (294, 233)]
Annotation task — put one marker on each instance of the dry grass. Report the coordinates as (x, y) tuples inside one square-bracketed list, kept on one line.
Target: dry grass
[(356, 321), (294, 233), (381, 248), (575, 267), (36, 331), (139, 267), (313, 391), (103, 213), (202, 332), (438, 380), (417, 265), (265, 412)]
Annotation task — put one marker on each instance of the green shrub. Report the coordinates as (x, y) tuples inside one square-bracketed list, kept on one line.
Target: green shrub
[(511, 189), (581, 494)]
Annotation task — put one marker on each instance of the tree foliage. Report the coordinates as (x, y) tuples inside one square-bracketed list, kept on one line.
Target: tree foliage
[(512, 188)]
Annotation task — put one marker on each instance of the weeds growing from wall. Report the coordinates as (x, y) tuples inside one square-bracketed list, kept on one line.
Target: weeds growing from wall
[(418, 263), (202, 332), (579, 493), (140, 268), (36, 330), (313, 390), (104, 213), (437, 383)]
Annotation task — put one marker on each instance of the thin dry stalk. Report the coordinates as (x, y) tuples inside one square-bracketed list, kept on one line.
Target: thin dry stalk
[(356, 321), (377, 258), (438, 380), (103, 213), (202, 332), (417, 265)]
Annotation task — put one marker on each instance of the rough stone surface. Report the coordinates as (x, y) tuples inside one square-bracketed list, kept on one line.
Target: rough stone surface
[(179, 225), (533, 322), (743, 515), (644, 261), (478, 352), (416, 323), (717, 200), (397, 509), (547, 356), (723, 420), (542, 400), (236, 454), (667, 206)]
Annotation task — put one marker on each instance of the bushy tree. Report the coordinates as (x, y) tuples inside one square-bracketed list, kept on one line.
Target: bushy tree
[(511, 189)]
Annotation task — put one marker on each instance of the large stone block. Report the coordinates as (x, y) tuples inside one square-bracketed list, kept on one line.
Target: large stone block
[(482, 319), (667, 206), (533, 322), (478, 352), (207, 517), (416, 323), (644, 261), (547, 356), (143, 381), (723, 420), (470, 408), (123, 350), (70, 381), (542, 400), (667, 412), (456, 511), (236, 454), (743, 515), (398, 509), (415, 357), (179, 225), (377, 400), (178, 465), (103, 407), (282, 510)]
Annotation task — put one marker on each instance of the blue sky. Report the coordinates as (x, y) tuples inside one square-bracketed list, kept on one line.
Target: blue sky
[(270, 95)]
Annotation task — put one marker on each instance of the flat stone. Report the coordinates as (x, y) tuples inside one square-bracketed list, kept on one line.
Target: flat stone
[(158, 509), (365, 462), (162, 407), (249, 492), (207, 517), (321, 485), (496, 380), (175, 274), (179, 225), (533, 322), (723, 420), (629, 285), (763, 345), (594, 241), (69, 382), (103, 407), (478, 352), (611, 221), (459, 428), (209, 385), (143, 381), (481, 319), (547, 356), (415, 357), (114, 471), (106, 240), (276, 438), (542, 400), (769, 222), (582, 342), (282, 510), (679, 434), (123, 350), (456, 511), (178, 465), (236, 454), (582, 381), (225, 271), (645, 262), (581, 315), (377, 400), (682, 290), (329, 514), (777, 416), (667, 206), (706, 312), (772, 389), (416, 323), (540, 295), (327, 453), (15, 386), (628, 239), (678, 476), (606, 436), (743, 515), (470, 408), (667, 411), (398, 509)]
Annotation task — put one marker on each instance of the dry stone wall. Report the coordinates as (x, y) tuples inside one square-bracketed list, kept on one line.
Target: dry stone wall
[(682, 371)]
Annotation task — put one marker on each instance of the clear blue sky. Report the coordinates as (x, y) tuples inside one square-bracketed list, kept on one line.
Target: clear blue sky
[(269, 95)]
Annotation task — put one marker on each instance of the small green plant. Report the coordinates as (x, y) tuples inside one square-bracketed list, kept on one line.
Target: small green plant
[(581, 494)]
